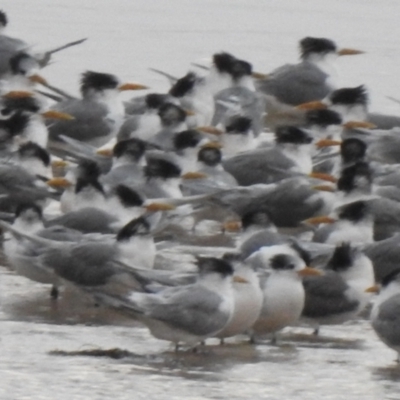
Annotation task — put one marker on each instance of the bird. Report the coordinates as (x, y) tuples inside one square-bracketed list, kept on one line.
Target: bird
[(194, 94), (290, 155), (339, 294), (311, 79), (353, 221), (143, 120), (248, 297), (238, 137), (98, 115), (283, 291), (9, 46), (186, 314), (385, 311)]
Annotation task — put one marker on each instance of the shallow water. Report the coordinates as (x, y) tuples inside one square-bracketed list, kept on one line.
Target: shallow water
[(126, 37), (64, 350)]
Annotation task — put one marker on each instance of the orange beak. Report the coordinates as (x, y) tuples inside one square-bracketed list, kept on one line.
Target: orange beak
[(323, 177), (154, 207), (58, 115), (59, 183), (359, 124), (319, 220), (194, 175), (105, 152), (312, 105), (327, 143), (259, 75), (18, 94), (210, 129), (132, 86), (232, 226), (308, 271), (349, 52), (38, 79)]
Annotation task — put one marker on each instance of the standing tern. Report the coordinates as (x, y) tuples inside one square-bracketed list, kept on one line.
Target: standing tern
[(385, 313), (99, 114), (339, 294), (283, 292), (312, 79)]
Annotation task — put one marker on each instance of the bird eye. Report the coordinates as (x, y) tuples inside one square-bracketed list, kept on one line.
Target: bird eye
[(6, 111)]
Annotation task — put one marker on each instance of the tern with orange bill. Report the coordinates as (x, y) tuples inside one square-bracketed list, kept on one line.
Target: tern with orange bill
[(98, 115), (283, 292), (339, 294), (312, 79)]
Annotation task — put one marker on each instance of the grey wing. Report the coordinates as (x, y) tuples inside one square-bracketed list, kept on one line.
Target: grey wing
[(259, 166), (325, 295), (383, 121), (87, 264), (296, 84), (244, 102), (322, 234), (86, 220), (386, 218), (136, 105), (128, 128), (385, 256), (130, 175), (90, 121), (387, 323), (293, 201), (192, 309), (258, 240)]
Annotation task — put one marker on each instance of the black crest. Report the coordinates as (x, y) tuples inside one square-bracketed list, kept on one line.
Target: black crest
[(351, 177), (256, 218), (232, 257), (323, 118), (3, 18), (29, 104), (224, 62), (20, 63), (183, 85), (128, 196), (155, 100), (355, 211), (292, 134), (98, 81), (31, 149), (137, 227), (238, 125), (352, 150), (282, 262), (185, 139), (310, 45), (171, 114), (16, 124), (86, 182), (209, 156), (134, 148), (211, 264), (241, 68), (160, 168), (89, 169), (342, 258), (356, 95)]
